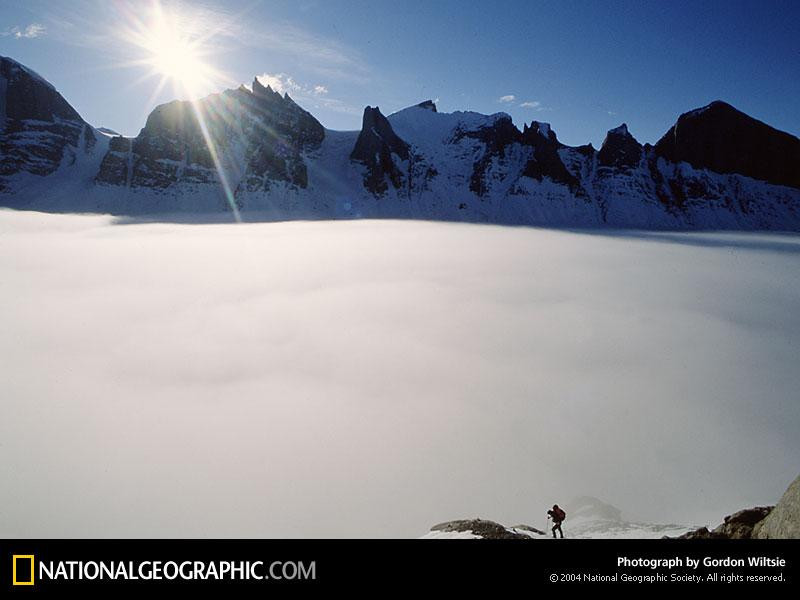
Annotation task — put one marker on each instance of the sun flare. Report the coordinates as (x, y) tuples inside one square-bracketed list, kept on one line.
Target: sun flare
[(174, 45), (174, 57), (174, 48)]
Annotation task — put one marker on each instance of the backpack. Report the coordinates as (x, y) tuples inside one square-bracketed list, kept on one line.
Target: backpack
[(559, 514)]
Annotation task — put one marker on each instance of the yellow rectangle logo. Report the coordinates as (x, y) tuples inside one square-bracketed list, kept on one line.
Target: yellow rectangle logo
[(23, 571)]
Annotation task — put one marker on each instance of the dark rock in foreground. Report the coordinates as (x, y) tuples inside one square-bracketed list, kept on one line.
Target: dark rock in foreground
[(784, 521), (488, 530), (738, 526), (528, 528), (762, 522)]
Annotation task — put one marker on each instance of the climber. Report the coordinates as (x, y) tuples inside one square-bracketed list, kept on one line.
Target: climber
[(558, 515)]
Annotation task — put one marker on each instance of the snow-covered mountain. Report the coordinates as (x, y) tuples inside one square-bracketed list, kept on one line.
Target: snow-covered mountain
[(255, 151), (40, 131), (592, 518)]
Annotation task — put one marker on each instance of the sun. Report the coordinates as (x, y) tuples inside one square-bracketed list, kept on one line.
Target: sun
[(174, 47), (173, 56)]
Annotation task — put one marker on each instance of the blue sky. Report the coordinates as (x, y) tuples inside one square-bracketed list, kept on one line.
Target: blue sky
[(584, 67)]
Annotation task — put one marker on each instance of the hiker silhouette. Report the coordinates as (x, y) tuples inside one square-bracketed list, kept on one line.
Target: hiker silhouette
[(558, 515)]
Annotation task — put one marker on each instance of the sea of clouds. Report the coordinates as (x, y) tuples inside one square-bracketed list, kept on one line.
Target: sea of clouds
[(372, 378)]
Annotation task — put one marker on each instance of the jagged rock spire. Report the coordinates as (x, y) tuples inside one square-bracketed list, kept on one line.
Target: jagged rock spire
[(620, 149), (374, 148), (260, 90)]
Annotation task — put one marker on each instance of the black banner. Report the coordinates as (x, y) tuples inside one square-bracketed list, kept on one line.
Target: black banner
[(287, 566)]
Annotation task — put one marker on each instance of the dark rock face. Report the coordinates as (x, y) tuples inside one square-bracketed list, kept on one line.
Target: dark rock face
[(488, 530), (39, 128), (428, 104), (546, 162), (699, 534), (781, 521), (620, 149), (375, 147), (255, 138), (496, 139), (738, 526), (115, 168), (586, 150), (720, 138)]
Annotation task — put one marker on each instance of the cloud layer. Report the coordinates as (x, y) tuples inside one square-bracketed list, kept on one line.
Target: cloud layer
[(373, 378)]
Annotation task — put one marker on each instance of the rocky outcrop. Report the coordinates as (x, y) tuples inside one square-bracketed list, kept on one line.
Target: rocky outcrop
[(528, 528), (40, 130), (781, 521), (488, 530), (721, 138), (784, 520), (428, 105), (620, 149), (252, 138), (738, 526), (379, 149), (546, 161), (496, 139)]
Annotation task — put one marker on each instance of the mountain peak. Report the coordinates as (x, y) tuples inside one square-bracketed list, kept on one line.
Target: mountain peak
[(375, 147), (427, 105), (620, 149), (594, 508), (621, 130), (12, 65), (721, 138), (38, 127), (538, 129), (720, 104), (260, 90), (543, 128)]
